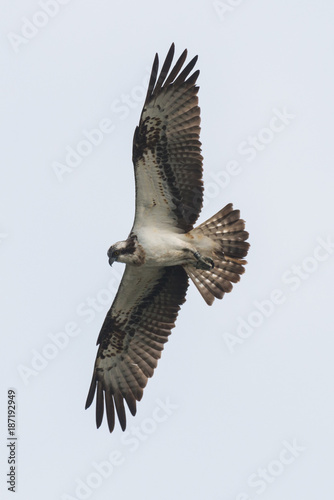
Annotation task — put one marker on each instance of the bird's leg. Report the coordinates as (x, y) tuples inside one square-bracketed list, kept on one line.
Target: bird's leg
[(203, 262)]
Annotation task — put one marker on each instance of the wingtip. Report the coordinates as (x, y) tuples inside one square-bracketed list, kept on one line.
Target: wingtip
[(184, 53), (99, 405), (91, 393), (171, 50), (110, 412)]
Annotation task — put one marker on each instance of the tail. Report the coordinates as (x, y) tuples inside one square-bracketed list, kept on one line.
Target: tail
[(226, 229)]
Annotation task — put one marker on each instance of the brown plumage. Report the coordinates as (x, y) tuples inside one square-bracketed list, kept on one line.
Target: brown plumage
[(168, 131), (227, 229), (162, 249)]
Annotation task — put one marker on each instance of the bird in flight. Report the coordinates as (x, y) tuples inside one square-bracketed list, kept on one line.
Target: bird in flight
[(163, 248)]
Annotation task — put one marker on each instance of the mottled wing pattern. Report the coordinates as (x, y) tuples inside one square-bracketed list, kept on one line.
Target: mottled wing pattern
[(166, 148), (132, 337)]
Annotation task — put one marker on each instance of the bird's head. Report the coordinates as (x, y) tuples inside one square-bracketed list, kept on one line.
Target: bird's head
[(122, 251), (116, 252)]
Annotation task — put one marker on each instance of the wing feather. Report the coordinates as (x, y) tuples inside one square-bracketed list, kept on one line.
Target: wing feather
[(177, 67), (165, 68), (133, 336), (183, 75), (110, 412), (166, 148)]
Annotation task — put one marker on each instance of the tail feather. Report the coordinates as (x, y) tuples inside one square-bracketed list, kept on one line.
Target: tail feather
[(226, 229), (209, 284)]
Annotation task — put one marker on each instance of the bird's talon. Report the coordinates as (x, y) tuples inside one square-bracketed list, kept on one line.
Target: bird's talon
[(204, 263)]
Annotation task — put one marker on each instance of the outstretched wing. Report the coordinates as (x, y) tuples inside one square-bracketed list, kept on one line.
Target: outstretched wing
[(166, 148), (132, 337)]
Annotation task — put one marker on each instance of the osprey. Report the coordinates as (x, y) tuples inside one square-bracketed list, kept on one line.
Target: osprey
[(163, 248)]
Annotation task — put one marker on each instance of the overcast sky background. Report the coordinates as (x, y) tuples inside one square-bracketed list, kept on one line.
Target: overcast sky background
[(241, 404)]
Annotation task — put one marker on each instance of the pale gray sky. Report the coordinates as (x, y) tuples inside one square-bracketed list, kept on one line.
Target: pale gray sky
[(241, 402)]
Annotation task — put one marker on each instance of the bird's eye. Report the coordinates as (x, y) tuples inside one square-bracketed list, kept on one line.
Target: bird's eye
[(116, 253)]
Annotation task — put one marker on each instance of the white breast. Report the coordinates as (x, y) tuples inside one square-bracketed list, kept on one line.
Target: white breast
[(169, 248), (163, 247)]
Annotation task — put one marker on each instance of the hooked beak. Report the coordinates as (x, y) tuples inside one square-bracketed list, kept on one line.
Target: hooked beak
[(111, 260), (110, 257)]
